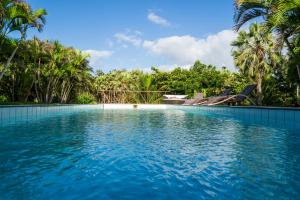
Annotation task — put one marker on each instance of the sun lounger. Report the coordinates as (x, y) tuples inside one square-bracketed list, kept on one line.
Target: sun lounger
[(198, 98), (233, 99), (222, 95)]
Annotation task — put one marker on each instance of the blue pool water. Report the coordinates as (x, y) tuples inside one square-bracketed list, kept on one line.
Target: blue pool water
[(148, 154)]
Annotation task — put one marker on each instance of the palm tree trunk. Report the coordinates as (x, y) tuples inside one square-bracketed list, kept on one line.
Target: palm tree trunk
[(259, 89), (298, 69), (12, 56), (13, 88), (8, 62), (29, 90), (297, 95)]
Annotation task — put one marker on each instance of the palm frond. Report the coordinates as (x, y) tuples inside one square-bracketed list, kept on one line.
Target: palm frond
[(248, 10)]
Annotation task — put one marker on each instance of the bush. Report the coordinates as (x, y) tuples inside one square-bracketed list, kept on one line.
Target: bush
[(3, 99), (85, 98)]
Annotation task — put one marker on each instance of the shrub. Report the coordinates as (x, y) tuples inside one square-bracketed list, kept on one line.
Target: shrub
[(3, 99), (85, 98)]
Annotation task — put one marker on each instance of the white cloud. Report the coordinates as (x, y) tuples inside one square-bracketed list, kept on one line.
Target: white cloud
[(185, 50), (164, 68), (96, 57), (158, 19), (133, 39)]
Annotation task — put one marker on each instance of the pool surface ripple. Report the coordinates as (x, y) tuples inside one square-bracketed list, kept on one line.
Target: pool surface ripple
[(148, 154)]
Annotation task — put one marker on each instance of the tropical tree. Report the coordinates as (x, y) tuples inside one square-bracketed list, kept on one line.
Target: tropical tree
[(280, 16), (255, 54), (149, 92), (18, 16), (45, 72), (75, 71)]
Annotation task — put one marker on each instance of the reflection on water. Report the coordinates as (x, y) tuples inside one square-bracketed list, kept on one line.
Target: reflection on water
[(164, 154)]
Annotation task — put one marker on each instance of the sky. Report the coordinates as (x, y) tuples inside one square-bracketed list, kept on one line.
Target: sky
[(139, 34)]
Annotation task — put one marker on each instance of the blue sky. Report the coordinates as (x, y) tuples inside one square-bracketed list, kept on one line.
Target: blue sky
[(130, 34)]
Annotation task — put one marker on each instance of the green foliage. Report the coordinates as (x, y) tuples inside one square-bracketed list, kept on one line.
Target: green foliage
[(3, 99), (279, 16), (85, 98), (254, 55), (44, 71), (282, 19), (119, 86), (18, 16)]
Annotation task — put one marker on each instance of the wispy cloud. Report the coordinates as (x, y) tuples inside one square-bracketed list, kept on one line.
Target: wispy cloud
[(131, 38), (156, 19), (96, 57)]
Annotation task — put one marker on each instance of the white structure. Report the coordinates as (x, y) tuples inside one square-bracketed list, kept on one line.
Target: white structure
[(175, 96), (134, 106)]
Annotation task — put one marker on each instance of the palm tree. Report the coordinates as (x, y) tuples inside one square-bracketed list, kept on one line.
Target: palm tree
[(17, 16), (280, 16), (147, 86), (75, 71), (255, 53), (246, 10)]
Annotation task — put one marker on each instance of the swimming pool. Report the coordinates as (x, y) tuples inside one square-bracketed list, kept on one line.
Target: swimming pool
[(87, 152)]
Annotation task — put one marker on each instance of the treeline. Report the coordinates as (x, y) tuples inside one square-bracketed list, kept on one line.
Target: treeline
[(277, 87), (44, 72), (149, 87), (47, 72), (35, 71)]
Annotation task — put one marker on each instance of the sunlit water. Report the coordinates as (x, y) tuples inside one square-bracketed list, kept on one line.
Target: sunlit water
[(147, 154)]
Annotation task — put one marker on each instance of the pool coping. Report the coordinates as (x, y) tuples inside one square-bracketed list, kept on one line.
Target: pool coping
[(151, 106), (258, 107)]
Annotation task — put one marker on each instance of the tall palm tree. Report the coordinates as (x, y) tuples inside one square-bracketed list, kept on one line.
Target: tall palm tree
[(255, 53), (280, 16), (17, 16), (76, 70)]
